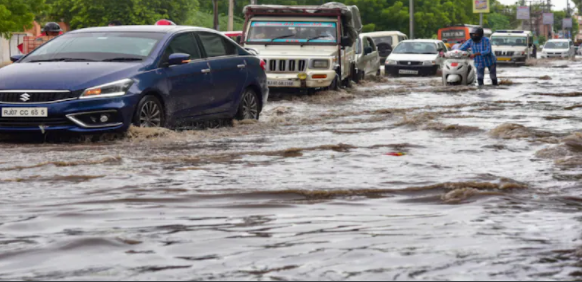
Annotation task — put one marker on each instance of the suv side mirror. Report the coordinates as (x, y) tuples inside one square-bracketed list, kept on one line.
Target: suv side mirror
[(367, 50), (178, 59), (239, 40), (16, 58), (346, 41)]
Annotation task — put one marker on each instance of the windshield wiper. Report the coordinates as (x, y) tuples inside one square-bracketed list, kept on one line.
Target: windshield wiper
[(429, 53), (282, 36), (316, 37), (121, 59), (63, 60)]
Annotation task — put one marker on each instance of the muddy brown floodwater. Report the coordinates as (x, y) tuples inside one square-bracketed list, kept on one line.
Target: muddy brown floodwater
[(489, 187)]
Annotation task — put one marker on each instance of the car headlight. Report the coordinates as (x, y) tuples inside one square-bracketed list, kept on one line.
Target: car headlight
[(429, 63), (390, 62), (320, 64), (113, 89)]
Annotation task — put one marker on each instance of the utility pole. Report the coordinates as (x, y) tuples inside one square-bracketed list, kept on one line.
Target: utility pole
[(215, 11), (481, 19), (253, 2), (230, 15), (411, 19), (568, 15)]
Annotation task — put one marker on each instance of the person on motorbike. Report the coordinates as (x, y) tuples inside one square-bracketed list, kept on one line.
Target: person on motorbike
[(482, 54), (51, 29)]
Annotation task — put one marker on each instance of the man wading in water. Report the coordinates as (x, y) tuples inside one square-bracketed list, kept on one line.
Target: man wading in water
[(484, 58)]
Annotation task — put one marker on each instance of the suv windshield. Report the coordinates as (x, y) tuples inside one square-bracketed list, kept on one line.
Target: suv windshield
[(508, 41), (557, 45), (416, 48), (302, 32), (113, 47)]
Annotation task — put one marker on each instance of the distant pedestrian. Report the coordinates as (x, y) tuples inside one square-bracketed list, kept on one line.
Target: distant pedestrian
[(447, 43), (115, 23), (51, 29), (457, 45)]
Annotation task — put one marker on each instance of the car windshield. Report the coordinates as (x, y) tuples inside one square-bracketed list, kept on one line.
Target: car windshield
[(383, 39), (508, 41), (416, 48), (292, 32), (114, 46), (557, 45)]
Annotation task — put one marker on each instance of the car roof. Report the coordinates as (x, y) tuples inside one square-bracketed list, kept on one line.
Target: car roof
[(144, 28), (424, 40), (382, 33)]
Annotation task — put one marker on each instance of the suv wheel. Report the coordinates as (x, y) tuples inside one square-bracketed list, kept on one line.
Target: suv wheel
[(149, 113), (249, 106)]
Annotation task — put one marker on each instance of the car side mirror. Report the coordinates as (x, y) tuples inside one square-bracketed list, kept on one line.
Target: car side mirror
[(531, 45), (239, 40), (252, 51), (178, 59), (16, 58), (367, 50), (346, 41)]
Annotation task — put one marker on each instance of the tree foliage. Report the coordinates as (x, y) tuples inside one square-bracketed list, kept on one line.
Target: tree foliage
[(15, 15), (87, 13)]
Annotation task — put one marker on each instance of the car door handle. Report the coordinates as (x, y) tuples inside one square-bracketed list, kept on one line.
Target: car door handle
[(242, 66), (206, 71)]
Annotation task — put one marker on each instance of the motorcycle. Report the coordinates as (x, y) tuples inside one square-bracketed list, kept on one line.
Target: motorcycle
[(458, 69)]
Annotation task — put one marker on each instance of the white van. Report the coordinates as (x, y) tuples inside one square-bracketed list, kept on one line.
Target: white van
[(386, 41), (513, 46)]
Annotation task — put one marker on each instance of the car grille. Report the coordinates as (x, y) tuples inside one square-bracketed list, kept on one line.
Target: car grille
[(35, 97), (282, 65), (34, 122), (409, 63), (504, 53)]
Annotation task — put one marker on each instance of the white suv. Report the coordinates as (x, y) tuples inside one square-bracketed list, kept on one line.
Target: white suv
[(559, 48)]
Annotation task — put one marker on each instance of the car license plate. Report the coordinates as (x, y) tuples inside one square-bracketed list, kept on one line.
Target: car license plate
[(280, 83), (408, 72), (24, 112), (504, 59)]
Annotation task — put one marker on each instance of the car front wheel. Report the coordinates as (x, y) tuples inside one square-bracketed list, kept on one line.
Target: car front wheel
[(249, 106), (149, 113)]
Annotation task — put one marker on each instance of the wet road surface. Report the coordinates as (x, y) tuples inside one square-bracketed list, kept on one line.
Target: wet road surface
[(489, 188)]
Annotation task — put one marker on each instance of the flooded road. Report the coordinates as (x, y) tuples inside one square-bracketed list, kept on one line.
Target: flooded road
[(397, 179)]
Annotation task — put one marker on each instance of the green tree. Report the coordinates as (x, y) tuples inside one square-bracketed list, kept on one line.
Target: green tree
[(496, 21), (15, 15), (85, 13)]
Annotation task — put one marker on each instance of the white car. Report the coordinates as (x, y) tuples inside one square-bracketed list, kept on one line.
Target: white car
[(559, 48), (367, 58), (416, 57)]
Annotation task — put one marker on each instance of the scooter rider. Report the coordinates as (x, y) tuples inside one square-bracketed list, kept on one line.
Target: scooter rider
[(482, 54)]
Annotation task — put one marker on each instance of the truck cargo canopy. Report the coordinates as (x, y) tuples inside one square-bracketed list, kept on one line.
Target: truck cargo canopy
[(350, 15)]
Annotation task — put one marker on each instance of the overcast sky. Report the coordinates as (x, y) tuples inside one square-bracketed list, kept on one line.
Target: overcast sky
[(558, 4)]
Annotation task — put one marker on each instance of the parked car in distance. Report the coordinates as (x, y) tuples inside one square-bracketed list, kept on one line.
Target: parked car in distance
[(107, 78), (367, 57), (559, 48), (416, 57)]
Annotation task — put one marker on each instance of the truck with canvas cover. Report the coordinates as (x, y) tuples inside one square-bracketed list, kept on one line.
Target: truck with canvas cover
[(305, 47)]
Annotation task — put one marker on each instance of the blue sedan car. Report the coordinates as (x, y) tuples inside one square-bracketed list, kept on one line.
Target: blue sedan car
[(105, 79)]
